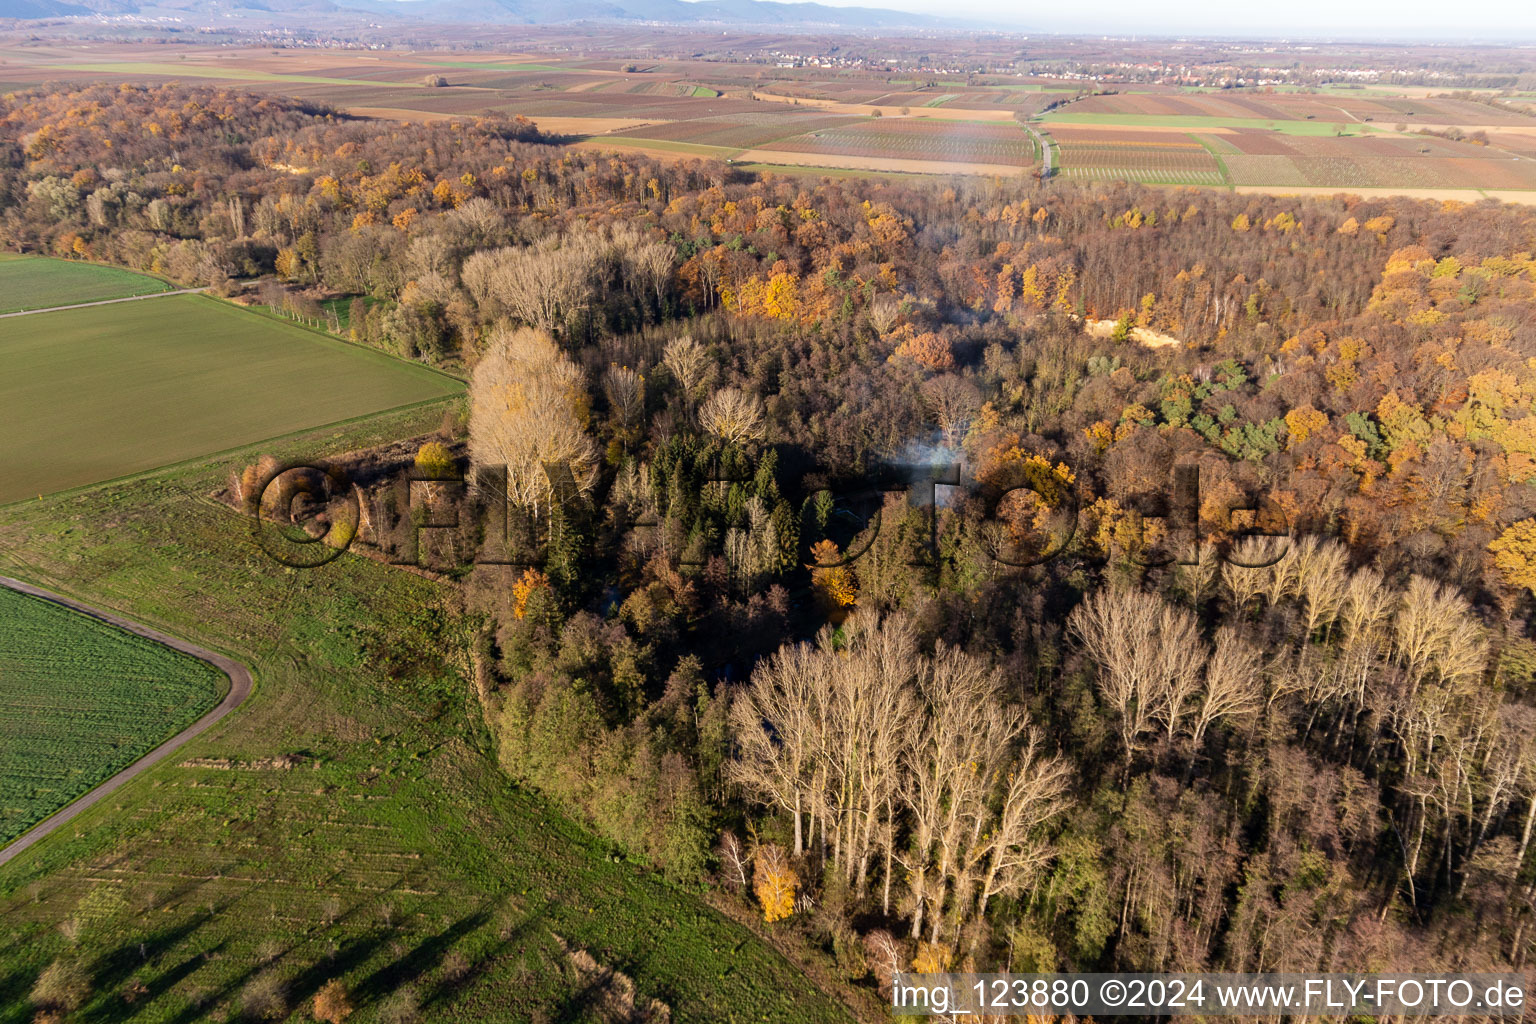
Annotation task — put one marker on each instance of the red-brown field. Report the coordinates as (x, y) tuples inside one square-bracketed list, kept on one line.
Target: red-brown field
[(1412, 161), (742, 131), (1326, 108), (912, 139)]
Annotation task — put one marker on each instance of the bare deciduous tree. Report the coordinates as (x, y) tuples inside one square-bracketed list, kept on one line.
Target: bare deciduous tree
[(1233, 683), (1367, 608), (954, 401), (691, 367), (625, 390), (734, 416), (1149, 656), (528, 410), (1435, 635), (542, 285), (1321, 572), (777, 720), (976, 803), (884, 311), (735, 860), (647, 264)]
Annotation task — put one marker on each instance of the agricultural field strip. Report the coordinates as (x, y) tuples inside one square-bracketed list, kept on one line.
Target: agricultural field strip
[(1090, 155), (1193, 122), (920, 140), (29, 283), (102, 302), (150, 387), (239, 688)]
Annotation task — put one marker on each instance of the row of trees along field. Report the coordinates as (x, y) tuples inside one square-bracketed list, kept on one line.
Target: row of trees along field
[(928, 756)]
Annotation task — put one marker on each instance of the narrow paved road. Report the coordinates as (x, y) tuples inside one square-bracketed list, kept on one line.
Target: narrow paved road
[(239, 689), (102, 302), (1046, 168)]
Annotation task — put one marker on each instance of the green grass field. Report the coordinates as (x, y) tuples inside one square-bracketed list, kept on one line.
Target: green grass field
[(79, 700), (36, 282), (393, 854), (97, 393)]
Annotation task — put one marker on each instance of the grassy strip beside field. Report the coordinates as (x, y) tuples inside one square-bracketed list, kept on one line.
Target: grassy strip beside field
[(79, 700), (389, 852), (38, 282), (1213, 148), (97, 393)]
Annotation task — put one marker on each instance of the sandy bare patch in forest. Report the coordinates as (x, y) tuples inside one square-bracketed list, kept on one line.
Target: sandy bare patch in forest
[(876, 163), (1140, 335)]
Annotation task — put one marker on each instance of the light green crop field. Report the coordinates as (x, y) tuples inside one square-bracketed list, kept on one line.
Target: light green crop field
[(36, 282), (80, 700), (101, 392)]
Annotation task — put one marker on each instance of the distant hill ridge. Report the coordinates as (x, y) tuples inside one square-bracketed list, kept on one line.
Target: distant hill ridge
[(736, 13)]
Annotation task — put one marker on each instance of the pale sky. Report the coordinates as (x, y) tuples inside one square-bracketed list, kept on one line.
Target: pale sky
[(1494, 21)]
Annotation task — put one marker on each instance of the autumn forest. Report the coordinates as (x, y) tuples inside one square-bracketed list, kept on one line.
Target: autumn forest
[(993, 574)]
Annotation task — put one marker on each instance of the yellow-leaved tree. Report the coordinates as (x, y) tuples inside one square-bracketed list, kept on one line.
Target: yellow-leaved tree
[(774, 881), (1514, 552), (435, 461), (834, 582)]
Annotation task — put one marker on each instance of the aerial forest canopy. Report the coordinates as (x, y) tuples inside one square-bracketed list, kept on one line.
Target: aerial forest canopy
[(926, 754)]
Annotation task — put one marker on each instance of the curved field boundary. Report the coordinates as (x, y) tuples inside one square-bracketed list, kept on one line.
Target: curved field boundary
[(239, 689)]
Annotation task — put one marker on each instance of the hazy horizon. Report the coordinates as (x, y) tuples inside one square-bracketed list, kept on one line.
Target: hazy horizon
[(1373, 20)]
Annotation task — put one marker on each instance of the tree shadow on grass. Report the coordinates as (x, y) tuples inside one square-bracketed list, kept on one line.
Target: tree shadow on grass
[(114, 967), (412, 965), (353, 953), (168, 979), (446, 989), (15, 992)]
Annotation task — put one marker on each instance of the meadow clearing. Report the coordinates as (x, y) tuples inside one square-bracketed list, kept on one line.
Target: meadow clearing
[(79, 700), (37, 282), (342, 824), (100, 392)]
